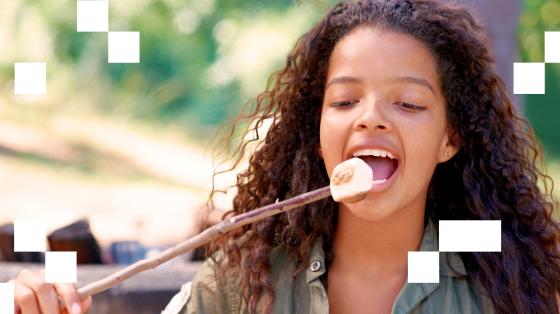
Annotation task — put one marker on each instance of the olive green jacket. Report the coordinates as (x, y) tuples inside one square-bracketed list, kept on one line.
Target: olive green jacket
[(455, 292)]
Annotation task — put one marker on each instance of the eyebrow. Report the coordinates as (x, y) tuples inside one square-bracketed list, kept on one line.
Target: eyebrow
[(400, 79), (414, 80), (344, 79)]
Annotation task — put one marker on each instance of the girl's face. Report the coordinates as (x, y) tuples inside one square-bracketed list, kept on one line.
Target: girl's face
[(383, 96)]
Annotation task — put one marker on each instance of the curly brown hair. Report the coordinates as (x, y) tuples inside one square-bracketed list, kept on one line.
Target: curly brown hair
[(495, 174)]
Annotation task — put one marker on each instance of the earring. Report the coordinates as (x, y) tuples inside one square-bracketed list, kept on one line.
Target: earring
[(446, 154)]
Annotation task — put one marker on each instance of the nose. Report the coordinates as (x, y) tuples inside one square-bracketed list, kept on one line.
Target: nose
[(372, 118)]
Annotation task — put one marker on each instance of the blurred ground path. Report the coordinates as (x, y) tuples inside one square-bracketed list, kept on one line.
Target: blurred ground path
[(130, 184)]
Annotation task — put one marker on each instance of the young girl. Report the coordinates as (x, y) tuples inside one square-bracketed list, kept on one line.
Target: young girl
[(408, 86)]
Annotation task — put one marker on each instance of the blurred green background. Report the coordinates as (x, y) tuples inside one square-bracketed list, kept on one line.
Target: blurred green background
[(543, 111), (120, 140), (200, 60)]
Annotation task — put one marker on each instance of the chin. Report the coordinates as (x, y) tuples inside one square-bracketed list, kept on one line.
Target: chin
[(373, 213)]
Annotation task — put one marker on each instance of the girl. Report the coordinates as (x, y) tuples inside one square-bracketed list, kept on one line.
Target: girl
[(408, 86), (412, 80)]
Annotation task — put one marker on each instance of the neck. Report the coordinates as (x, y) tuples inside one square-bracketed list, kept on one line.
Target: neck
[(377, 248)]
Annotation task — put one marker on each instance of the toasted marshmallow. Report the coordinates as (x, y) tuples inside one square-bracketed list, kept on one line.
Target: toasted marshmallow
[(351, 180)]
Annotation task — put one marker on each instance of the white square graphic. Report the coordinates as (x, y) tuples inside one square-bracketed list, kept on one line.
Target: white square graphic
[(7, 298), (423, 267), (92, 16), (30, 236), (61, 267), (552, 47), (528, 78), (124, 47), (470, 235), (30, 78)]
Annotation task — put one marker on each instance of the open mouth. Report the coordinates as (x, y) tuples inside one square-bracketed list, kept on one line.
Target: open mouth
[(383, 167)]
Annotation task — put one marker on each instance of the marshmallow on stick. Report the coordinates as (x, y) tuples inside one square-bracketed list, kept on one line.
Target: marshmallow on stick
[(350, 182)]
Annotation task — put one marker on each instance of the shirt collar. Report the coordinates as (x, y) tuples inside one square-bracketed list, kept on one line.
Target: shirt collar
[(450, 264), (316, 266)]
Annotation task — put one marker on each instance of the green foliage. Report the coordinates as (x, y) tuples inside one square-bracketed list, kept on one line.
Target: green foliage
[(201, 60), (543, 111)]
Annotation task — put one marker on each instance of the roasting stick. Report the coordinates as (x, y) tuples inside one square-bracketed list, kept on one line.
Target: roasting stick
[(350, 182)]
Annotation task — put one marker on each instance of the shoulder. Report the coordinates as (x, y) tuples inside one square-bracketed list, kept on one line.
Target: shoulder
[(214, 291), (463, 294), (457, 291), (208, 292)]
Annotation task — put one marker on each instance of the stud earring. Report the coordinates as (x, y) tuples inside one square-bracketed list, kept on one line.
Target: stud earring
[(446, 154)]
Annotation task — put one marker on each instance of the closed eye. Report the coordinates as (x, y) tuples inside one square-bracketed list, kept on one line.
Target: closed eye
[(409, 106), (344, 103)]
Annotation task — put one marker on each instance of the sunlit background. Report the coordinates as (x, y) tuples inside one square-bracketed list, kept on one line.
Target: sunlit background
[(129, 146)]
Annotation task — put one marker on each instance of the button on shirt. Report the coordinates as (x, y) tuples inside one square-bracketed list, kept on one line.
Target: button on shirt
[(315, 266), (455, 292)]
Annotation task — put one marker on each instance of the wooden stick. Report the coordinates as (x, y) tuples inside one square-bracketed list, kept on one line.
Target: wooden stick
[(203, 238)]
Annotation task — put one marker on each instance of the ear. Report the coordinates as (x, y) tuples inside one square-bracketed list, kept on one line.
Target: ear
[(450, 145)]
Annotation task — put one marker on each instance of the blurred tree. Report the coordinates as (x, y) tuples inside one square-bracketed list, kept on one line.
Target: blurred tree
[(200, 59), (543, 111)]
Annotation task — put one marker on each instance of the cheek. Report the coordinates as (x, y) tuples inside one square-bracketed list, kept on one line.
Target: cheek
[(422, 149), (332, 140), (422, 136)]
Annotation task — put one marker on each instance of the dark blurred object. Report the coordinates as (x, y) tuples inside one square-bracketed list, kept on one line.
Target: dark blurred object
[(199, 254), (127, 252), (79, 238), (7, 253)]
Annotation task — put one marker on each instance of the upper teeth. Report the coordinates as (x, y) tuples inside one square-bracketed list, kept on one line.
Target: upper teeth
[(374, 152)]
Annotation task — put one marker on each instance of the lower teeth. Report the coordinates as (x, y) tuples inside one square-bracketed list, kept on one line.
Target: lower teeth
[(379, 181)]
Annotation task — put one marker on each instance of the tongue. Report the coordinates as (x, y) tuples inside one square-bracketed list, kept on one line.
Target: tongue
[(382, 167)]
